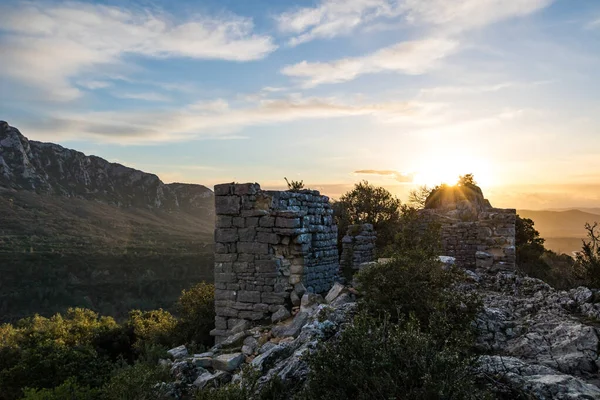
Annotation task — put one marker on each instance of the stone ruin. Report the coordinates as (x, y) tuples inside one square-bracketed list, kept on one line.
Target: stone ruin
[(358, 246), (476, 234), (270, 248)]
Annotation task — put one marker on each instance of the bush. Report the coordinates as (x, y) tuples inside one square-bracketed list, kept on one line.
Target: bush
[(69, 390), (417, 285), (136, 382), (196, 311), (370, 204), (156, 327), (377, 359)]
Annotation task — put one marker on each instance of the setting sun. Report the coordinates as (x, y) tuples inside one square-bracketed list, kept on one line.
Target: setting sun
[(438, 169)]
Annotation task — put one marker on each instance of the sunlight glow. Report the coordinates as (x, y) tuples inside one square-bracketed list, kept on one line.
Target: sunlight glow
[(440, 168)]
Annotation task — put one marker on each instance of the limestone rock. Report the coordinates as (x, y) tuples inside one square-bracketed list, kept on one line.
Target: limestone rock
[(280, 315), (334, 292), (178, 352), (292, 328), (310, 301), (207, 379), (536, 381), (227, 362)]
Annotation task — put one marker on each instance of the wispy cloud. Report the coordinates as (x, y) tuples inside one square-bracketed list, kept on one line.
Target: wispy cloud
[(594, 24), (215, 119), (398, 176), (331, 18), (145, 96), (94, 84), (415, 57), (47, 45)]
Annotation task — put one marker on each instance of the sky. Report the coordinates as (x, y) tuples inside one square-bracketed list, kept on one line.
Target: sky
[(402, 93)]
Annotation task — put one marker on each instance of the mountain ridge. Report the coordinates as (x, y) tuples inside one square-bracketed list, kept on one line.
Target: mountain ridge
[(49, 168)]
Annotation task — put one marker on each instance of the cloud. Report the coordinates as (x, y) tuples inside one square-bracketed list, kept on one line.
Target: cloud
[(594, 24), (215, 119), (414, 58), (46, 45), (331, 18), (398, 176), (94, 84), (145, 96)]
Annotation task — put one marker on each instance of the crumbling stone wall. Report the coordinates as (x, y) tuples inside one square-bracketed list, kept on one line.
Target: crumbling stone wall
[(487, 242), (358, 246), (270, 247)]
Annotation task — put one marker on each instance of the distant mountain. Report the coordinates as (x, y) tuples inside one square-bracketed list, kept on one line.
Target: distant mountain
[(560, 223), (77, 230), (48, 168), (563, 230)]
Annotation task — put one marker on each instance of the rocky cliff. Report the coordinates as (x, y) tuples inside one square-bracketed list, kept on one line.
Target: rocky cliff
[(48, 168)]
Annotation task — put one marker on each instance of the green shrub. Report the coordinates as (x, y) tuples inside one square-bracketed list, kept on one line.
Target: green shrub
[(69, 390), (377, 359), (136, 382), (417, 285), (156, 327), (196, 312)]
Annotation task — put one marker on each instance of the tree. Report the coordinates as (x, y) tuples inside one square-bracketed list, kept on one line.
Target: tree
[(529, 248), (467, 180), (369, 204), (588, 259), (418, 197)]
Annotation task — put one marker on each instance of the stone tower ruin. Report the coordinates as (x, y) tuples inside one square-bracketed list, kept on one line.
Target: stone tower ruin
[(270, 248)]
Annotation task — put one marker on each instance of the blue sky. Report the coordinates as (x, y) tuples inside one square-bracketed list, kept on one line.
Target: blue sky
[(399, 92)]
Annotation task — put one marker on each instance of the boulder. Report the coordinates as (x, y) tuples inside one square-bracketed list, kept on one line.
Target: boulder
[(280, 315), (207, 380), (334, 292), (292, 328), (310, 301), (227, 362), (178, 352)]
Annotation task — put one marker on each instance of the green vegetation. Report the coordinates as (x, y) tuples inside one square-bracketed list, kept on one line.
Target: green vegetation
[(81, 355), (58, 252), (588, 259), (369, 204), (558, 270), (294, 186)]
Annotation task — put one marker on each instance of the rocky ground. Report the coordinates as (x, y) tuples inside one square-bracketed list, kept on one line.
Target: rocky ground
[(536, 342)]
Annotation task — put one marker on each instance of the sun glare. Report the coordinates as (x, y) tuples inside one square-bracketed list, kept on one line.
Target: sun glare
[(443, 169)]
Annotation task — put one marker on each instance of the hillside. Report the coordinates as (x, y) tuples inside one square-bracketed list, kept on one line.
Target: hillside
[(79, 231), (563, 230)]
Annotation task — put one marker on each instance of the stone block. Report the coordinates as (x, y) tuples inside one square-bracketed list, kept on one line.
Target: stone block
[(247, 234), (223, 221), (253, 248), (242, 189), (227, 205), (224, 189), (226, 235), (249, 296), (289, 223), (266, 237), (266, 222)]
